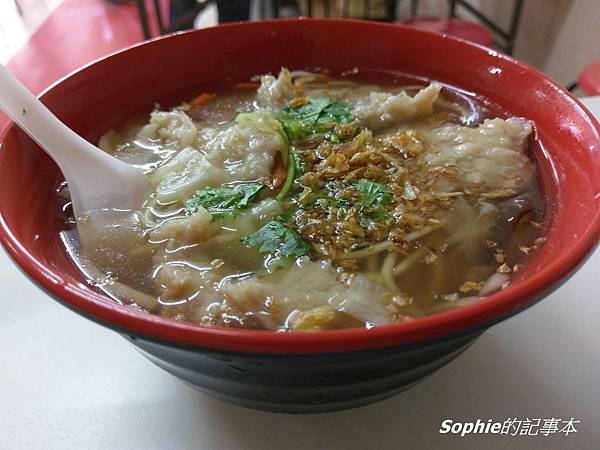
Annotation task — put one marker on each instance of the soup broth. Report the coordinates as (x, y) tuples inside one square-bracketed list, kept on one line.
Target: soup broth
[(307, 202)]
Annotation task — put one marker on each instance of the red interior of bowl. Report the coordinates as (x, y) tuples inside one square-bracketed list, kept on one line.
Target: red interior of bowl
[(104, 94)]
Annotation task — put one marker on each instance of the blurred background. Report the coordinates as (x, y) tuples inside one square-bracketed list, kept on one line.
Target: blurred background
[(43, 40)]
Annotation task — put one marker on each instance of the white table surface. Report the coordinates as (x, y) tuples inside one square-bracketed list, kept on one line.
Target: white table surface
[(68, 383)]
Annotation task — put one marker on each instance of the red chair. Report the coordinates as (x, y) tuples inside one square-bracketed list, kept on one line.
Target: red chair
[(481, 32), (589, 79)]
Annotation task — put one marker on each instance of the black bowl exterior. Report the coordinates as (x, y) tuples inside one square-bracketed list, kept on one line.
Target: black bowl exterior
[(304, 383)]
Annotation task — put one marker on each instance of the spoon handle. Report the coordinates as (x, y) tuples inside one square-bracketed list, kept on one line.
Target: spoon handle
[(96, 179), (58, 140)]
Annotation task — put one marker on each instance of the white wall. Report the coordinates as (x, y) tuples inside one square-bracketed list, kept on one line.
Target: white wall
[(557, 36), (576, 41)]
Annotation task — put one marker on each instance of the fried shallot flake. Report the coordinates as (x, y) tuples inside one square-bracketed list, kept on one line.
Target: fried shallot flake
[(470, 286), (504, 268)]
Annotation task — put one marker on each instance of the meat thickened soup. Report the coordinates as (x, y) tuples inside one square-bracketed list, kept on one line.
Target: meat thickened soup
[(307, 202)]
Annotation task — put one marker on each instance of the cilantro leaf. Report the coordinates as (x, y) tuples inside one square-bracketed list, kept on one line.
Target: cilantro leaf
[(380, 213), (374, 193), (318, 115), (224, 200), (281, 242), (292, 127), (333, 137), (336, 112), (309, 113)]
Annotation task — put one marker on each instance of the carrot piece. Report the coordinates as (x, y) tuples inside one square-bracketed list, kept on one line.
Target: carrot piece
[(202, 99), (247, 85), (279, 171)]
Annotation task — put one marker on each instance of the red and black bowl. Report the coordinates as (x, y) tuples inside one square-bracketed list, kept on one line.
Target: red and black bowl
[(320, 371)]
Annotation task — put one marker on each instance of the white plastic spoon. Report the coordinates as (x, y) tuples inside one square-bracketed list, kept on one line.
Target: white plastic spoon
[(96, 179)]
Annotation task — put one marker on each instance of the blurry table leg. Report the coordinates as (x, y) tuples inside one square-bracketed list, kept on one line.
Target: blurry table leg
[(18, 6), (233, 10), (143, 18)]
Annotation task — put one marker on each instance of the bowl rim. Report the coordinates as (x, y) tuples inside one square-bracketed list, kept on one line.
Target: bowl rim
[(478, 315)]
